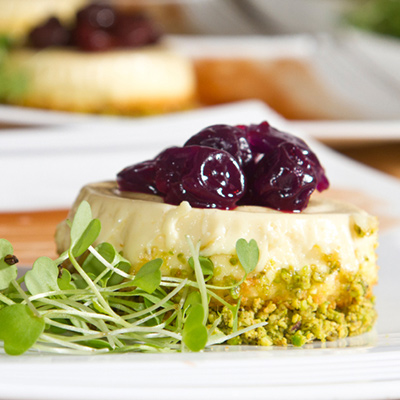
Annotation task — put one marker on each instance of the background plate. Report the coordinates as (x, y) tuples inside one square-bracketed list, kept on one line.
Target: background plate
[(349, 76)]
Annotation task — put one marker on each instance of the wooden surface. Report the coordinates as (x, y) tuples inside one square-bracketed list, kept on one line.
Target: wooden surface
[(382, 156), (31, 234)]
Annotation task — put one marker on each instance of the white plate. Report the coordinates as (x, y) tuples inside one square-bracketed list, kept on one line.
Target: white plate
[(366, 367)]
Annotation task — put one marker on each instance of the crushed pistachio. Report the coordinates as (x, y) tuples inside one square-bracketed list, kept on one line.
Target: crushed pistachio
[(298, 321), (298, 324)]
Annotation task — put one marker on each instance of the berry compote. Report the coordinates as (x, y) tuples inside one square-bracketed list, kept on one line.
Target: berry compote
[(98, 27), (223, 166), (203, 176)]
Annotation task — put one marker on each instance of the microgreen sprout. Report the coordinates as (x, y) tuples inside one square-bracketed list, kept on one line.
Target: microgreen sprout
[(248, 254), (95, 304), (13, 82)]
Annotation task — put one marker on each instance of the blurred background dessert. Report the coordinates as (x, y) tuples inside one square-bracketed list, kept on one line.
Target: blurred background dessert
[(18, 17), (212, 52), (93, 58)]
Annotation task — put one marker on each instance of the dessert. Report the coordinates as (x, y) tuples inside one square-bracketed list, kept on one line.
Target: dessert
[(103, 62), (316, 268), (16, 19)]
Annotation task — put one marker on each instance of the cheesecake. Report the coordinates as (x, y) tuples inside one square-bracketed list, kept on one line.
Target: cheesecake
[(148, 80), (95, 59), (315, 273), (17, 18)]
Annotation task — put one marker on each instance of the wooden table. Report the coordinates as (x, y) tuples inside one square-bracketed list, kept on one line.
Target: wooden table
[(384, 157), (31, 233)]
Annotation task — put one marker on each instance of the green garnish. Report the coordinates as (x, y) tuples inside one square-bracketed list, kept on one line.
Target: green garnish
[(149, 276), (93, 304), (13, 82), (381, 16), (207, 266), (19, 328), (42, 277), (194, 333), (7, 272), (248, 254)]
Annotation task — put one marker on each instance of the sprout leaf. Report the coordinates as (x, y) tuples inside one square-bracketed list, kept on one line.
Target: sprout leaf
[(42, 277), (19, 328), (149, 276), (248, 254), (7, 272)]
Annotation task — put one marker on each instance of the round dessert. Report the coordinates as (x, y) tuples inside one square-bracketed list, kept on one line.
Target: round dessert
[(317, 262), (105, 62), (16, 19)]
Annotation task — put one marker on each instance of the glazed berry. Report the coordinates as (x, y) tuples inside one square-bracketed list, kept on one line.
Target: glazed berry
[(98, 27), (224, 137), (51, 33), (97, 16), (172, 163), (263, 139), (91, 39), (138, 178), (203, 176), (93, 29), (284, 179), (135, 31), (223, 166)]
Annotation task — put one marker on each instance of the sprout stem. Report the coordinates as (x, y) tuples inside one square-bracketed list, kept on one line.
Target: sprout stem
[(26, 298), (199, 277), (94, 289), (107, 265)]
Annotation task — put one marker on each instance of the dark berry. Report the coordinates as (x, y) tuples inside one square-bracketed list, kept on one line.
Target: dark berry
[(224, 137), (171, 164), (87, 38), (264, 139), (51, 33), (135, 31), (203, 176), (284, 179), (223, 166), (97, 16), (98, 27), (138, 178)]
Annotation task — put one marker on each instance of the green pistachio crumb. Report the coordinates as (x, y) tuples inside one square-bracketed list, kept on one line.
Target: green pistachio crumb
[(233, 260)]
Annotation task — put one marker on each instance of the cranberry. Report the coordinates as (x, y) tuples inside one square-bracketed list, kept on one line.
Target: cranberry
[(97, 16), (93, 28), (264, 139), (51, 33), (284, 179), (88, 38), (205, 177), (139, 178), (222, 166), (98, 28), (171, 164), (224, 137), (135, 30)]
